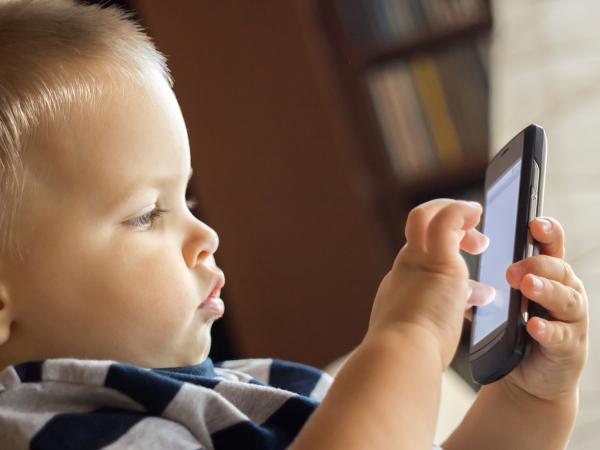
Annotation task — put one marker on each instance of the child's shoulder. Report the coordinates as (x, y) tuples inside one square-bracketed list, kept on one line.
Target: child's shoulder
[(206, 405), (296, 377)]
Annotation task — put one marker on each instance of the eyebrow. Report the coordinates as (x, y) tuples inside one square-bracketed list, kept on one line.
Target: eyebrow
[(164, 181), (161, 181)]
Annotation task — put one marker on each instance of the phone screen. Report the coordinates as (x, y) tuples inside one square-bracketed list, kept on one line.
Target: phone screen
[(499, 225)]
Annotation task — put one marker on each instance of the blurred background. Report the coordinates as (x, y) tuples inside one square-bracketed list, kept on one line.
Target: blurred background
[(316, 125)]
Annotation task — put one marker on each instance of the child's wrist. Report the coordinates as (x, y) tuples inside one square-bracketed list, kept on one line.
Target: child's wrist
[(406, 335), (563, 407), (519, 395)]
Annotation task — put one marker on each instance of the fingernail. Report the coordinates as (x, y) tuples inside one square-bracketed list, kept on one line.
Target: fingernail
[(538, 284), (486, 242), (546, 225), (489, 295), (541, 326), (492, 295), (480, 294), (516, 271), (475, 205)]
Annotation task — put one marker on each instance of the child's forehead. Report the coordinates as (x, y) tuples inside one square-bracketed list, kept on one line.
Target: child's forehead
[(141, 136)]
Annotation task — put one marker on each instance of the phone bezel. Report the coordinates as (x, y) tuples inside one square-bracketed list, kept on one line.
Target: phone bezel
[(498, 352)]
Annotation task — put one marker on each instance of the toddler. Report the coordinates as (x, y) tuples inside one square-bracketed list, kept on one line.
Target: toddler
[(109, 287)]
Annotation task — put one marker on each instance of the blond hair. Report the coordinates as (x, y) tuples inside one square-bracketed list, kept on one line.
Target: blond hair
[(54, 55)]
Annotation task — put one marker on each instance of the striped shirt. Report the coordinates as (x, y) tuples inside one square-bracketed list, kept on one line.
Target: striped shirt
[(77, 404)]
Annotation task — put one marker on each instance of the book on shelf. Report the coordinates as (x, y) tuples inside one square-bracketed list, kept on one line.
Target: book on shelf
[(376, 22), (432, 110), (435, 104)]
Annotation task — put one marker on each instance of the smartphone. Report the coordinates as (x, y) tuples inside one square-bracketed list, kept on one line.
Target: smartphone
[(514, 188)]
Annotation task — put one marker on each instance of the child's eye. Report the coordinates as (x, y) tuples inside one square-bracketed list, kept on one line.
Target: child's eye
[(147, 220)]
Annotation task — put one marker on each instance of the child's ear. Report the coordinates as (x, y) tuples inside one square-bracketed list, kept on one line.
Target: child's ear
[(5, 314)]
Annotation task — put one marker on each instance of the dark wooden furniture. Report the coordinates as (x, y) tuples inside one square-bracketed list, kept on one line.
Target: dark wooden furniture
[(290, 166)]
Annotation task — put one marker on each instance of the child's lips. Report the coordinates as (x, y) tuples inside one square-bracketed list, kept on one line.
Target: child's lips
[(213, 302), (214, 305), (216, 292)]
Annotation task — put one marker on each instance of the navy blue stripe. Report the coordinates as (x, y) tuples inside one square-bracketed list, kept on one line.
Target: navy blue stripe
[(189, 378), (295, 377), (152, 390), (276, 433), (248, 436), (204, 369), (292, 415), (30, 371), (85, 431)]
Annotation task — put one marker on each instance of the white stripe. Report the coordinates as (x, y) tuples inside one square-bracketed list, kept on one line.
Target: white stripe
[(255, 401), (259, 368), (81, 371), (27, 407), (154, 433), (322, 387), (202, 411), (9, 378)]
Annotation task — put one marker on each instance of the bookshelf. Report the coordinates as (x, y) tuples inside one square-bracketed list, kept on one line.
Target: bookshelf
[(416, 83)]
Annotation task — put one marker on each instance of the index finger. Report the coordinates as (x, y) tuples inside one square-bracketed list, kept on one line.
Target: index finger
[(546, 266), (417, 220), (446, 230)]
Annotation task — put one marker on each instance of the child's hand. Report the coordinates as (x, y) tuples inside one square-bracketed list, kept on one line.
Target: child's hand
[(428, 286), (554, 365)]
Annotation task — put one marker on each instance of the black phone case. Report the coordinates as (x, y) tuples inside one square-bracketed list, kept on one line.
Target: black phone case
[(501, 351)]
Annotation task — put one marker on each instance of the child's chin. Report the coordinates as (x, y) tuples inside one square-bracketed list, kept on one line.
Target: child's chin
[(204, 346)]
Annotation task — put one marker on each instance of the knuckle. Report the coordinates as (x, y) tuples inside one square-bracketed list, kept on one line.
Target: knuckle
[(561, 336), (577, 283), (444, 211), (573, 279), (568, 273), (436, 224), (567, 334), (572, 304), (536, 264), (416, 214), (583, 300), (551, 263), (581, 341), (570, 276), (555, 335), (446, 215)]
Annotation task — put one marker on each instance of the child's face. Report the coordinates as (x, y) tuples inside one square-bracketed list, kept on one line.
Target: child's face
[(96, 284)]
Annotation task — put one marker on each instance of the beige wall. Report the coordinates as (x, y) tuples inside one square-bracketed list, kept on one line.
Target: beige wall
[(546, 69)]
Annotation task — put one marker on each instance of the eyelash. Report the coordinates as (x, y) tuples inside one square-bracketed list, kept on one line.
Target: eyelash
[(152, 216)]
